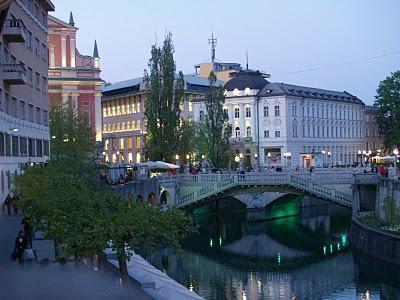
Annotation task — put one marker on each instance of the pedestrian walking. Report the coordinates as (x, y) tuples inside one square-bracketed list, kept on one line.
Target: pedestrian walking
[(7, 203), (29, 255), (19, 248), (14, 203), (28, 229)]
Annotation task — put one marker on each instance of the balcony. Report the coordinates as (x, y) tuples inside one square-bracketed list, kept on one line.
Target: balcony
[(245, 140), (14, 31), (14, 74)]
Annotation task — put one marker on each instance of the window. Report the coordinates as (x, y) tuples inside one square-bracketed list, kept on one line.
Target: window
[(44, 85), (23, 144), (277, 113), (22, 110), (201, 112), (7, 104), (39, 148), (237, 132), (37, 49), (248, 131), (138, 142), (294, 111), (14, 107), (248, 112), (266, 134), (1, 99), (295, 131), (44, 52), (46, 151), (130, 143), (2, 144), (237, 113), (226, 113), (31, 115), (31, 144), (29, 41), (8, 144), (265, 111), (37, 81), (30, 76), (277, 134), (15, 146), (38, 117), (45, 118)]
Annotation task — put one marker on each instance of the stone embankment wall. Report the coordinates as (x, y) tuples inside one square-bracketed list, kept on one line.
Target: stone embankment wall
[(378, 244)]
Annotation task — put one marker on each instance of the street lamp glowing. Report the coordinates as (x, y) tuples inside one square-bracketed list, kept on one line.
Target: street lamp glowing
[(396, 151), (177, 157), (117, 153), (53, 137), (323, 151), (329, 153), (237, 159), (269, 154), (241, 155), (359, 152), (203, 156), (364, 152), (255, 155), (187, 156)]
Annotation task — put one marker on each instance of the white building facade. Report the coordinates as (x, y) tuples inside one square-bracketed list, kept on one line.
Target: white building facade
[(282, 124), (24, 102)]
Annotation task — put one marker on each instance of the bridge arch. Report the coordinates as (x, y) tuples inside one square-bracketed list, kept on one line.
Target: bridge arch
[(151, 199), (165, 198)]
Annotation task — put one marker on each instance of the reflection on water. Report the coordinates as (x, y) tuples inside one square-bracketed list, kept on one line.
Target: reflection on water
[(296, 248)]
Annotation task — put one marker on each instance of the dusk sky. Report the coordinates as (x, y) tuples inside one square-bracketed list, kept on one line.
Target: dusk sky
[(280, 37)]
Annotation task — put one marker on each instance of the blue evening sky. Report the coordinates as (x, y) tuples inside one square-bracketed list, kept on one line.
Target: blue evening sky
[(280, 36)]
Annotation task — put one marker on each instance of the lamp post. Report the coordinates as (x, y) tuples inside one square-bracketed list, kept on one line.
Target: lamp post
[(323, 158), (329, 157), (269, 160), (117, 153), (395, 152), (289, 159), (241, 161), (256, 161), (177, 159), (237, 159), (359, 157)]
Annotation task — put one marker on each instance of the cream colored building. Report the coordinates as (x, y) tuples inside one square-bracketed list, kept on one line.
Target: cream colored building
[(123, 116), (24, 120)]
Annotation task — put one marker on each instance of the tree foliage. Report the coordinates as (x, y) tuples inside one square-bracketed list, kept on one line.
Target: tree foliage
[(388, 116), (67, 202), (214, 130), (187, 135), (162, 106)]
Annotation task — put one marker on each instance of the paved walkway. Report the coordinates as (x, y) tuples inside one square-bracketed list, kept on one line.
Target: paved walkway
[(53, 281)]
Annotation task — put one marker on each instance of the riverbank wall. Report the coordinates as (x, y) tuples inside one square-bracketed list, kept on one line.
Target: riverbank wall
[(377, 244)]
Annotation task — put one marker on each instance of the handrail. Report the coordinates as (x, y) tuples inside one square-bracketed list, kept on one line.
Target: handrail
[(217, 183)]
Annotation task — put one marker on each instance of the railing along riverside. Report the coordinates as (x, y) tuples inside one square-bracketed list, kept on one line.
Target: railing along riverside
[(221, 182)]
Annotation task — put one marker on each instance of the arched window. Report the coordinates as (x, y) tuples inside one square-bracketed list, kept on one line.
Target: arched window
[(237, 132), (248, 131)]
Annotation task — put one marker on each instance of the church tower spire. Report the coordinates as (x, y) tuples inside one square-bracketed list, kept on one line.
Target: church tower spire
[(71, 19), (95, 50)]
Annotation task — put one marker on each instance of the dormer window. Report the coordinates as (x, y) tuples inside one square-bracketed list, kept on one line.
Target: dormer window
[(247, 91), (235, 92)]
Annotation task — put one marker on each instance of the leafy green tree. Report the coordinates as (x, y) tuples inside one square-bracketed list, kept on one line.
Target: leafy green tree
[(388, 116), (134, 226), (214, 130), (65, 201), (162, 106)]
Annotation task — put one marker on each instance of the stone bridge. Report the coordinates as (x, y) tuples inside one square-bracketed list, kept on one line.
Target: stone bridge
[(187, 190)]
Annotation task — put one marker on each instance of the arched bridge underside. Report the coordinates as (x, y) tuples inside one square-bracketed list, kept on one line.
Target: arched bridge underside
[(199, 188)]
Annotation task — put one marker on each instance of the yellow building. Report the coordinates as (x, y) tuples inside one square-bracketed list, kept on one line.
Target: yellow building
[(123, 116)]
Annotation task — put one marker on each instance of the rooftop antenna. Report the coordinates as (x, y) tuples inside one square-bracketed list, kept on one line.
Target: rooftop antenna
[(247, 61), (213, 43)]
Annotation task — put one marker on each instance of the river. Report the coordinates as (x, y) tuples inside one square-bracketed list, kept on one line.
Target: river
[(296, 248)]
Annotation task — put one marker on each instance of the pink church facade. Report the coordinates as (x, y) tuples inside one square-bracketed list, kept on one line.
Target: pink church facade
[(73, 76)]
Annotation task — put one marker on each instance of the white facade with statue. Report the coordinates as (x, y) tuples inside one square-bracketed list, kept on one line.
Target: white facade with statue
[(282, 124)]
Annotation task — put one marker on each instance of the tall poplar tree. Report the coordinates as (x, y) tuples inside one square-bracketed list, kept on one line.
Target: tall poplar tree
[(214, 130), (162, 106)]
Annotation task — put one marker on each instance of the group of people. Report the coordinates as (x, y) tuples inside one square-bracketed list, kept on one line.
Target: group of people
[(23, 250), (11, 201), (382, 169)]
